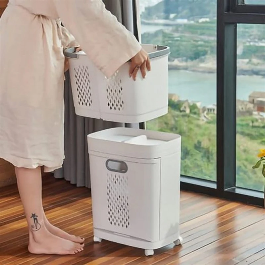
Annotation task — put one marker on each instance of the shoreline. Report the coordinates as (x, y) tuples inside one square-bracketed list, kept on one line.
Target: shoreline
[(210, 70)]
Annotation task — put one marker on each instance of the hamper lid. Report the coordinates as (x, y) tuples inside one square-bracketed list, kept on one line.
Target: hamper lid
[(143, 140), (134, 142)]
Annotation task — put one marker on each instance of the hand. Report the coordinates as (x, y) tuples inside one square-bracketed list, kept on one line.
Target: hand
[(66, 60), (139, 61)]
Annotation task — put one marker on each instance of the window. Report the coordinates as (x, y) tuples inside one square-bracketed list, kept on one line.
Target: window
[(250, 103), (190, 32), (222, 123)]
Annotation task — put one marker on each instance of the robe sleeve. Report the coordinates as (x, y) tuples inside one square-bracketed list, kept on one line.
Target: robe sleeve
[(105, 41), (68, 40)]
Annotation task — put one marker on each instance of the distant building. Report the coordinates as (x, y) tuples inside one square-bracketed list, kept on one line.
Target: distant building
[(244, 107), (173, 97), (182, 21), (171, 16), (211, 109), (255, 95), (185, 107), (260, 104), (197, 103), (201, 20)]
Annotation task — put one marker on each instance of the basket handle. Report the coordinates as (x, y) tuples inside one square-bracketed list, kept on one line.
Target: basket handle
[(116, 166), (70, 53), (160, 51)]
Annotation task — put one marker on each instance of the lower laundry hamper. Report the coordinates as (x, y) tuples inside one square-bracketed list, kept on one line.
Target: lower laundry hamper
[(135, 187)]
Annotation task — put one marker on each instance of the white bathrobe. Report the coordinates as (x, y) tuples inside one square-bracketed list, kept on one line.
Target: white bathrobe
[(31, 71)]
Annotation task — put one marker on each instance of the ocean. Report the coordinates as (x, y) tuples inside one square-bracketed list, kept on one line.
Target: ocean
[(197, 86)]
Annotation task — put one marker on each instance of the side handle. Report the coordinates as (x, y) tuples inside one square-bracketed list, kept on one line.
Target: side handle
[(116, 166)]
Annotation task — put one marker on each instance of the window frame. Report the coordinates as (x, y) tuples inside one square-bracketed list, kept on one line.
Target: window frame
[(239, 6)]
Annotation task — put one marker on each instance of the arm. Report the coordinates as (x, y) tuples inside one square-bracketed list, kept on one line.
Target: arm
[(106, 42), (68, 40)]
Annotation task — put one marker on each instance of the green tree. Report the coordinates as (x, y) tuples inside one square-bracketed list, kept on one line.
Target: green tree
[(194, 109)]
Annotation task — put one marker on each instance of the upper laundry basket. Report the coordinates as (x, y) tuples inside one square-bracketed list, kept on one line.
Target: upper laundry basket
[(120, 98)]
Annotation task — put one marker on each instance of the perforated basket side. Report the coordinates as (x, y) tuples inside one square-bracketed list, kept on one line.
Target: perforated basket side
[(85, 83), (114, 93), (82, 86), (118, 200)]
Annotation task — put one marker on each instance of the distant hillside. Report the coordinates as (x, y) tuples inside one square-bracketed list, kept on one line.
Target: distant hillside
[(185, 9)]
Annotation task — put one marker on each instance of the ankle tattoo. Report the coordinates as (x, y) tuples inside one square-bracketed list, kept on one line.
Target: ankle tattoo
[(36, 226)]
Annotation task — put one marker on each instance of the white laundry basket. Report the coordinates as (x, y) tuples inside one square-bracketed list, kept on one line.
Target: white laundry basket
[(119, 98), (135, 187)]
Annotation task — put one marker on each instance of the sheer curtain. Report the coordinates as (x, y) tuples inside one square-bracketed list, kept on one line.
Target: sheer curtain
[(76, 164)]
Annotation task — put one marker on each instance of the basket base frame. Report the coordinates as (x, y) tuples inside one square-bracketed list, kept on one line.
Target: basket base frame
[(135, 242), (135, 118), (83, 112)]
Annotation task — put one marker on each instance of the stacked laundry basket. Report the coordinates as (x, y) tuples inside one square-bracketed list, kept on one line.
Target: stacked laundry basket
[(134, 173)]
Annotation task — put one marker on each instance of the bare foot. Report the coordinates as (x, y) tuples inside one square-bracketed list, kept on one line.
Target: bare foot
[(43, 242), (60, 233)]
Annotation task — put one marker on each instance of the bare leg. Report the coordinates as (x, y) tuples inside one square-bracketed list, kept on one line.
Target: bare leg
[(58, 232), (41, 241)]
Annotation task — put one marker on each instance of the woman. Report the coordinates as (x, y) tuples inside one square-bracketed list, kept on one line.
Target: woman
[(31, 93)]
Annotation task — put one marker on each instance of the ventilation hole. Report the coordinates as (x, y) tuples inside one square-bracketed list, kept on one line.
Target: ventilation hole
[(82, 81)]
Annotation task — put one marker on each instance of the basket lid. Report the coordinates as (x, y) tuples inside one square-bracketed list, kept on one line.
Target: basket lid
[(131, 142)]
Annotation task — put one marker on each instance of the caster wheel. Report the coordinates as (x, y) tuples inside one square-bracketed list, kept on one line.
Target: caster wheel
[(97, 239), (179, 241), (149, 252)]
